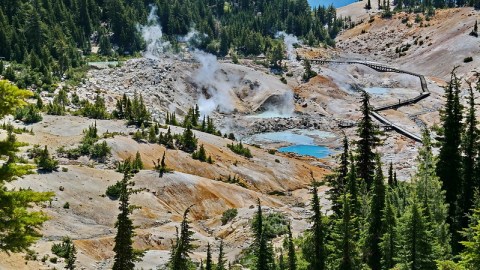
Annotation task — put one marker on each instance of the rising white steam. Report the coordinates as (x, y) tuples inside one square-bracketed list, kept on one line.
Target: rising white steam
[(152, 35), (289, 41), (193, 38), (216, 92)]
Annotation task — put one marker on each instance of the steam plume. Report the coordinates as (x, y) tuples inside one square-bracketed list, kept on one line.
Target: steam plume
[(289, 40), (152, 35)]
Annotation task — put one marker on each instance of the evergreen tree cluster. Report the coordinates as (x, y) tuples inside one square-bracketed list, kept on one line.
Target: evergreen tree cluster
[(128, 164), (49, 38), (459, 158), (45, 161), (192, 120), (96, 110), (378, 222), (427, 5), (240, 149), (133, 110), (89, 146), (66, 249), (201, 155), (29, 114)]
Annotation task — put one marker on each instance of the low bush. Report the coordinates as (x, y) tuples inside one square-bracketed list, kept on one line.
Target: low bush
[(229, 215), (29, 114), (113, 191)]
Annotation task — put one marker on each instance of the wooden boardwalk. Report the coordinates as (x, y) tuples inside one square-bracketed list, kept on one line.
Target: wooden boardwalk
[(383, 68)]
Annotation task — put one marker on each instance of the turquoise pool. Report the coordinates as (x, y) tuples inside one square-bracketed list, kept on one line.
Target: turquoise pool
[(336, 3), (318, 151)]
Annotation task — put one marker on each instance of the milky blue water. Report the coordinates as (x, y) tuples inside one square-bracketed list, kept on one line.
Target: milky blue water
[(283, 136), (293, 136), (318, 151), (376, 90), (336, 3)]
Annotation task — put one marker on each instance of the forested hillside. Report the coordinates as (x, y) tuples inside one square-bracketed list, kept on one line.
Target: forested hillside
[(51, 37)]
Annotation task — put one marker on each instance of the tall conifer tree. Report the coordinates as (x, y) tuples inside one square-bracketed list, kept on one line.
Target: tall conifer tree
[(450, 158), (373, 253), (125, 255), (367, 142)]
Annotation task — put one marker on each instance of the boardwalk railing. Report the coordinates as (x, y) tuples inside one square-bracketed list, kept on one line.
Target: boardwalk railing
[(383, 68)]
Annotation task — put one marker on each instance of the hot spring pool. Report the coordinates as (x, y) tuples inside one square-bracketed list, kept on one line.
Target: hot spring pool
[(377, 90), (318, 151)]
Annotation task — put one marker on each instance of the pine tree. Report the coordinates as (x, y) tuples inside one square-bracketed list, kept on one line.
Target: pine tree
[(415, 240), (390, 175), (429, 192), (137, 163), (45, 162), (19, 224), (161, 166), (367, 142), (470, 256), (449, 162), (180, 259), (292, 257), (221, 258), (308, 73), (339, 179), (346, 234), (470, 147), (125, 255), (373, 253), (352, 188), (188, 142), (71, 257), (318, 232), (152, 134), (262, 249), (389, 238), (208, 261)]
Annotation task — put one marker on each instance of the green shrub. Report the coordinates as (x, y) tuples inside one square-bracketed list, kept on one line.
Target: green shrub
[(113, 191), (468, 59), (240, 150), (88, 146), (29, 114), (62, 249), (187, 142), (45, 162), (275, 224), (66, 205), (55, 109), (100, 151), (133, 166), (229, 215), (97, 110), (201, 155)]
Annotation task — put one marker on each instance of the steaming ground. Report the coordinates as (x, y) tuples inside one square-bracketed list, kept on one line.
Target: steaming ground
[(248, 99), (251, 102)]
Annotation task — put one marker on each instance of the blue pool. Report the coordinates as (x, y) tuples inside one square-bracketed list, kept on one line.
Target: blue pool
[(336, 3), (317, 151), (376, 90)]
